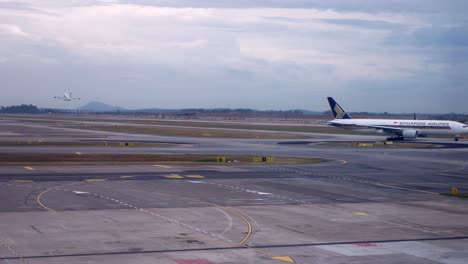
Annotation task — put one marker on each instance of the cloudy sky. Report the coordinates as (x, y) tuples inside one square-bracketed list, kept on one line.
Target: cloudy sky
[(395, 55)]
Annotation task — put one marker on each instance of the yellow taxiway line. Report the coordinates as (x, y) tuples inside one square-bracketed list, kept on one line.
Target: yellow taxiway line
[(194, 176), (361, 214), (249, 234), (126, 177), (38, 198), (29, 168), (249, 225), (174, 176), (3, 243), (284, 259), (96, 180), (23, 181)]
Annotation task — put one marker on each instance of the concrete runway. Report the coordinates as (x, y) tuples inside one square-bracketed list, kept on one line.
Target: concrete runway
[(366, 205)]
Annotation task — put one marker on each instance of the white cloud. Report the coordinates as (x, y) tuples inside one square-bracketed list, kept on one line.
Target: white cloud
[(192, 43), (278, 47), (147, 34), (12, 30)]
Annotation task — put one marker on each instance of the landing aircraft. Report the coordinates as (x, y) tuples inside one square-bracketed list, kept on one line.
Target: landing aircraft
[(67, 97), (400, 129)]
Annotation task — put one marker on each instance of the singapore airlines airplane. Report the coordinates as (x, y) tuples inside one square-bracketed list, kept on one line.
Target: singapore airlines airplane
[(400, 129), (67, 97)]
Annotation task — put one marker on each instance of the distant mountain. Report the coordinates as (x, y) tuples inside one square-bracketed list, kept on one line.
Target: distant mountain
[(100, 107)]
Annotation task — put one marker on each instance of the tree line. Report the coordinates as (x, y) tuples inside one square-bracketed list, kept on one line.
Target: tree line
[(23, 109)]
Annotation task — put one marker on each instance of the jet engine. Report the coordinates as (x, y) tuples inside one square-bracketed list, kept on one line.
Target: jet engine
[(410, 133)]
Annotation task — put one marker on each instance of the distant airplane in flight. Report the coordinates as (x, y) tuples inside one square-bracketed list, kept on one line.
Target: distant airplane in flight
[(400, 129), (67, 97)]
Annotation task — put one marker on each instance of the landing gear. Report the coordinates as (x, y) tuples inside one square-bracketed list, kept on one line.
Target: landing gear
[(457, 138), (395, 138)]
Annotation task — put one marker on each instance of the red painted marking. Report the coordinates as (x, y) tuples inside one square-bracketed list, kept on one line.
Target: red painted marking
[(366, 245), (194, 261)]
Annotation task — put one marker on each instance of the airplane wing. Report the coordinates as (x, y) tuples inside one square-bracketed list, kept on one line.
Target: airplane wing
[(387, 129)]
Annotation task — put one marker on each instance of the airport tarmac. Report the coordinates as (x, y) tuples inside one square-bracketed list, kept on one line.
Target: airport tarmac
[(363, 205)]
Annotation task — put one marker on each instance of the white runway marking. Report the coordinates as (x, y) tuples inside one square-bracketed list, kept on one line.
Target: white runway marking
[(196, 181), (78, 192), (157, 215), (261, 193)]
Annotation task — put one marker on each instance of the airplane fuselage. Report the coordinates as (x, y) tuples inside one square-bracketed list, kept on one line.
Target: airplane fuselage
[(67, 97), (401, 129), (418, 128)]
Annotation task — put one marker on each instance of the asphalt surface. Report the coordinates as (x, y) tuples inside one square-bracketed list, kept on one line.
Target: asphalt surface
[(365, 205)]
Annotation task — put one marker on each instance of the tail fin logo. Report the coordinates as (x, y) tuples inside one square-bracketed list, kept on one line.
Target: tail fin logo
[(339, 112)]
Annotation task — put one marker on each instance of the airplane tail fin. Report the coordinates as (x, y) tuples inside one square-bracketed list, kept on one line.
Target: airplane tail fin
[(337, 110)]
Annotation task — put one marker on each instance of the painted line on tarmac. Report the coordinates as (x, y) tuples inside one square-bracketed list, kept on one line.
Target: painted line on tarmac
[(249, 234), (153, 214), (12, 251), (233, 211), (96, 180), (238, 189), (23, 181), (126, 177), (38, 198), (194, 176), (29, 168), (361, 214), (242, 243), (243, 190), (403, 188), (354, 180), (232, 248), (174, 176), (284, 259), (249, 224)]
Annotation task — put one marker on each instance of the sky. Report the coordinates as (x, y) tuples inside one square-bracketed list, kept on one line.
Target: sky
[(370, 55)]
